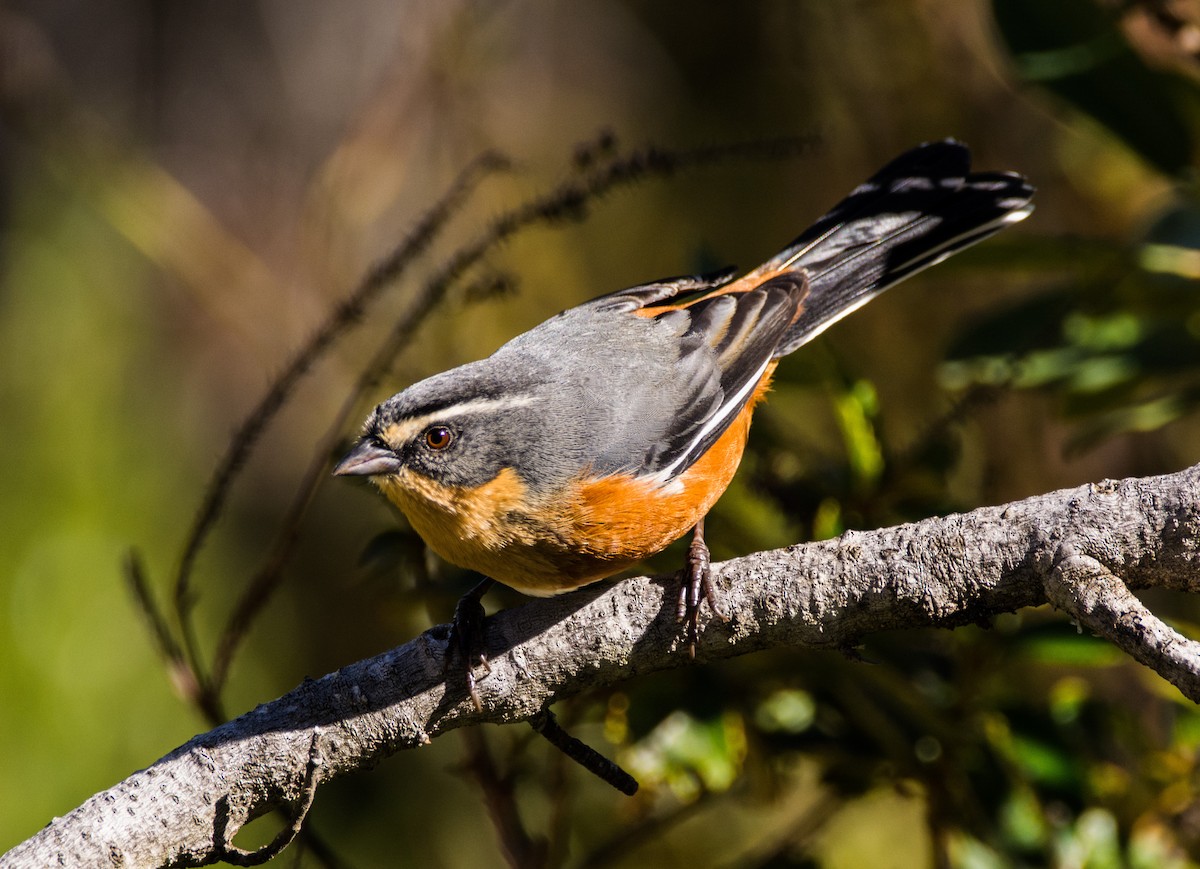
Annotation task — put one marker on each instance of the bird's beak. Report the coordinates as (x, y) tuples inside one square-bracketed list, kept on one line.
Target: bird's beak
[(367, 459)]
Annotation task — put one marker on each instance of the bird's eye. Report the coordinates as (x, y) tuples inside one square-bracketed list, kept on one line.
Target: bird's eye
[(438, 437)]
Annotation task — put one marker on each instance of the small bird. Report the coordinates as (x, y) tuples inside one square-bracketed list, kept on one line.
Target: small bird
[(602, 435)]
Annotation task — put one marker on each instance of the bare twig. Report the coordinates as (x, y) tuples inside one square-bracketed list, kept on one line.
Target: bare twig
[(346, 313), (522, 850), (228, 853), (629, 838), (583, 754), (1098, 600), (798, 838), (181, 674), (601, 173)]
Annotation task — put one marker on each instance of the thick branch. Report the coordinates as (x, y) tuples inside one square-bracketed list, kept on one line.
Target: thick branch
[(937, 573), (1102, 603)]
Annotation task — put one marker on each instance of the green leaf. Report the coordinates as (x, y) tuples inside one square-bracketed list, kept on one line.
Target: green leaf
[(1074, 49)]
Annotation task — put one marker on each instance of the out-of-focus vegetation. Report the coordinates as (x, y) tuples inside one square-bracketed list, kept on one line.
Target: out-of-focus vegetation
[(188, 190)]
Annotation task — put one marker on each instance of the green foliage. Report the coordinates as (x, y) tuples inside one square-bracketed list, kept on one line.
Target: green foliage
[(1118, 343), (1118, 339), (1074, 49), (166, 249)]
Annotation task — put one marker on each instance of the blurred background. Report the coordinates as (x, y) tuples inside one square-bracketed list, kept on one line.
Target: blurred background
[(188, 190)]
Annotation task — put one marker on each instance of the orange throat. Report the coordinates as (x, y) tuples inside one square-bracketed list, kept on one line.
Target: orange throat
[(593, 528)]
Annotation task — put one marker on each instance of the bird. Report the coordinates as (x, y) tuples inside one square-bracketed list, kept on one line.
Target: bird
[(599, 437)]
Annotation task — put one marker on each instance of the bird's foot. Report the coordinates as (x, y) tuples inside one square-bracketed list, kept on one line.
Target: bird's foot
[(468, 640), (696, 587)]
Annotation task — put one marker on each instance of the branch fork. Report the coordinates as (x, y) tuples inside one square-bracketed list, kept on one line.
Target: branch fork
[(1099, 600)]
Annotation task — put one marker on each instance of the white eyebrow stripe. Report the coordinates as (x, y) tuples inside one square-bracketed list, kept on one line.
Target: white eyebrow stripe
[(481, 405), (399, 432)]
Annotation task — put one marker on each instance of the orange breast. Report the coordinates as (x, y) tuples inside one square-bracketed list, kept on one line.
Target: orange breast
[(623, 520), (597, 527)]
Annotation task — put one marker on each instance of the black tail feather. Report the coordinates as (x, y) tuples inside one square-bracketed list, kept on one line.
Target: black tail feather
[(914, 212)]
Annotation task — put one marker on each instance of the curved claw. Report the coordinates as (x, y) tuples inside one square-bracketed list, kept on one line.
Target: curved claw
[(696, 586), (468, 640)]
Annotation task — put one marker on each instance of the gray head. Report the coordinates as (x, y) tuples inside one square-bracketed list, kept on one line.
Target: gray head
[(461, 428)]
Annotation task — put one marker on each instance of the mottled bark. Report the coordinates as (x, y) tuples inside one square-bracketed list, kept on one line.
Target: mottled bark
[(1082, 549)]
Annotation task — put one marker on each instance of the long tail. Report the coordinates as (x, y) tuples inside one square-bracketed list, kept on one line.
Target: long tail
[(914, 212)]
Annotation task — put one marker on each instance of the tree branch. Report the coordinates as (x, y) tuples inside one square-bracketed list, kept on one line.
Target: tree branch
[(1099, 601), (941, 572)]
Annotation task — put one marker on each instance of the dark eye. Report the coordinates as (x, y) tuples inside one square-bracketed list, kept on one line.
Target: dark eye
[(438, 437)]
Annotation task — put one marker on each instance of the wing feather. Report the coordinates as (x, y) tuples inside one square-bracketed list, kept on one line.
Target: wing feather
[(725, 349)]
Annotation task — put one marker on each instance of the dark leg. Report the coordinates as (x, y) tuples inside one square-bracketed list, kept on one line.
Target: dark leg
[(467, 638), (697, 586)]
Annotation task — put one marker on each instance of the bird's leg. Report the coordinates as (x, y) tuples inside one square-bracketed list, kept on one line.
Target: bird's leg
[(468, 639), (697, 586)]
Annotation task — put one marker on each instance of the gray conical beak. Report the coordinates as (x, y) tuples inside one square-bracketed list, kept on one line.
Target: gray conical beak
[(367, 459)]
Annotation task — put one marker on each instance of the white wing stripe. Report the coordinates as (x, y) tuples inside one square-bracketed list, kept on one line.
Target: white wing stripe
[(731, 406)]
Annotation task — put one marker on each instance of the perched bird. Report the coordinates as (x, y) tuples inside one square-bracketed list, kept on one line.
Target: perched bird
[(599, 437)]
